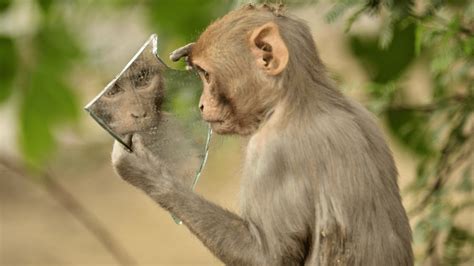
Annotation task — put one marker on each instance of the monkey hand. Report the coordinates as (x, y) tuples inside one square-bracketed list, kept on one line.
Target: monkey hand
[(141, 168), (183, 52)]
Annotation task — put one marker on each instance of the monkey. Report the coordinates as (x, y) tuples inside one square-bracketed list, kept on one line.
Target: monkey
[(319, 183)]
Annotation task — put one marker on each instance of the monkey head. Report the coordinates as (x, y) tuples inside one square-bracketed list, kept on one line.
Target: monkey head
[(241, 60), (132, 103)]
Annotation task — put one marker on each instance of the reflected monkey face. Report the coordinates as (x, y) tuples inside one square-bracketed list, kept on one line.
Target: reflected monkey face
[(133, 102)]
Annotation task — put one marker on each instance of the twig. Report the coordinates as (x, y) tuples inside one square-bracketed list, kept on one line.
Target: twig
[(442, 174), (431, 106), (72, 205)]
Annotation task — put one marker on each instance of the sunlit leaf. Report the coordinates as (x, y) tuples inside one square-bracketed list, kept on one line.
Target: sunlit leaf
[(442, 61), (386, 35), (47, 100), (36, 140), (419, 38), (338, 10)]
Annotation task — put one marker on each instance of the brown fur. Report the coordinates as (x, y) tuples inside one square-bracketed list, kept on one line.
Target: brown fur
[(319, 182)]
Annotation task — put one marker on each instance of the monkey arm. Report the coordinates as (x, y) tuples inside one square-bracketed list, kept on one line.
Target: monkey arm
[(232, 239)]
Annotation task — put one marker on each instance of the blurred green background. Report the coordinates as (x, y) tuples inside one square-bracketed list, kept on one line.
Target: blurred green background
[(410, 62)]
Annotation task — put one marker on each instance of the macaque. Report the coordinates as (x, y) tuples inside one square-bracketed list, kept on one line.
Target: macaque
[(319, 182)]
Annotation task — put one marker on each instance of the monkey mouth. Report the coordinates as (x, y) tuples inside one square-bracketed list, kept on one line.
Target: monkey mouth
[(215, 121)]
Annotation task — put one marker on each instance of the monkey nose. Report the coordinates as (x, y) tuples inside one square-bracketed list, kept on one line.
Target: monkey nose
[(138, 115), (201, 107)]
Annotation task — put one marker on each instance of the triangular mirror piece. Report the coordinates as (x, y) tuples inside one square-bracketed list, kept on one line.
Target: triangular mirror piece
[(161, 104)]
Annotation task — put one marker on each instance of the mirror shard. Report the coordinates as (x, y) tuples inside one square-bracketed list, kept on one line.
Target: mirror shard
[(160, 104)]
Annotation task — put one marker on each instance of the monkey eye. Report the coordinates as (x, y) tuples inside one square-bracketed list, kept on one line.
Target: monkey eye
[(116, 89), (141, 79), (206, 75)]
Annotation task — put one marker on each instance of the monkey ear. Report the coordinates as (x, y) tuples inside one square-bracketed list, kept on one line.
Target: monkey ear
[(269, 49)]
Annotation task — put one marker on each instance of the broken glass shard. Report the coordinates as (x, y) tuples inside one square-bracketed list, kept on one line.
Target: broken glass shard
[(160, 104)]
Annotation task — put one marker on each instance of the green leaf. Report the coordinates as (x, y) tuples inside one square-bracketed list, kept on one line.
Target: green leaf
[(185, 18), (46, 103), (4, 5), (411, 128), (337, 10), (419, 38), (468, 47), (385, 65), (36, 140), (47, 100), (442, 61), (386, 35), (56, 48), (45, 5), (423, 173), (350, 21), (421, 232), (457, 239), (8, 66)]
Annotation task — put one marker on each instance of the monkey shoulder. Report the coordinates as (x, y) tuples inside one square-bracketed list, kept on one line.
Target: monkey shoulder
[(271, 173)]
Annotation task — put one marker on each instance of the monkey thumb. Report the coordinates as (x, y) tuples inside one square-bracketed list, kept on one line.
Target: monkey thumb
[(137, 141), (117, 152)]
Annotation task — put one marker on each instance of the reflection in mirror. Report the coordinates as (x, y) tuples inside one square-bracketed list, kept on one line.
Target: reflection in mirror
[(160, 104)]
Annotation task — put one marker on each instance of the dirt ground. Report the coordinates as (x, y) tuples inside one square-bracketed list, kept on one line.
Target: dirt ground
[(38, 230)]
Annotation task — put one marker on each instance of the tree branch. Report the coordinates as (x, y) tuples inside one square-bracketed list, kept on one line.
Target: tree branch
[(73, 206), (443, 172)]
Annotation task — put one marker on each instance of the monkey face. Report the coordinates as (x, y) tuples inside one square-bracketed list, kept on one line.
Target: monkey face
[(233, 103), (133, 102), (242, 69), (216, 108)]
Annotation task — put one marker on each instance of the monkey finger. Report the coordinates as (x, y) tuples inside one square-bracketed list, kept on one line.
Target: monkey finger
[(181, 52), (140, 151), (137, 143), (119, 153)]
